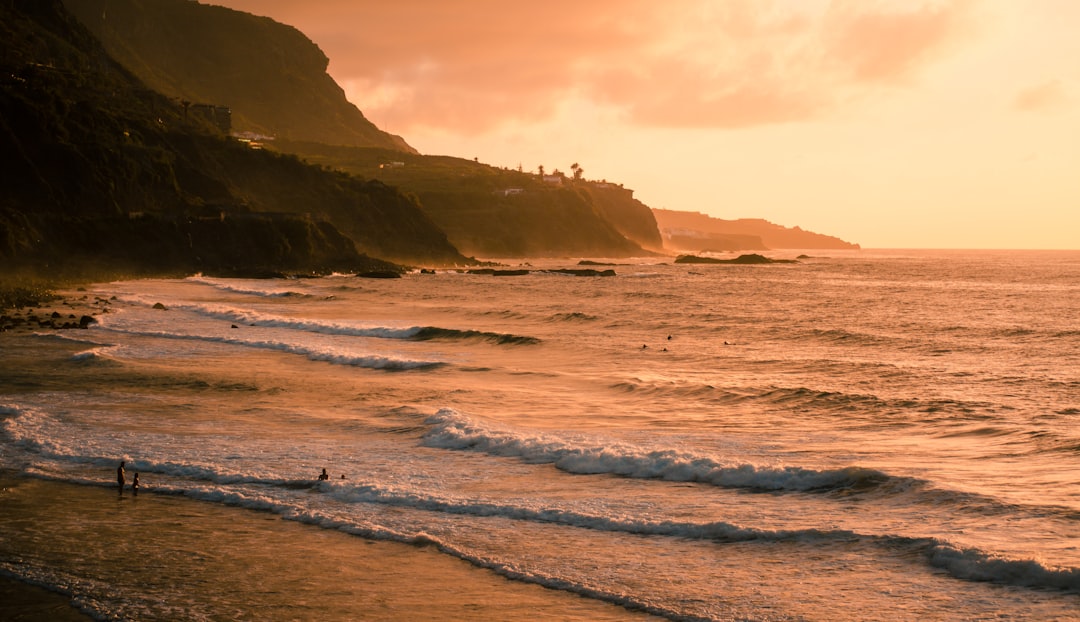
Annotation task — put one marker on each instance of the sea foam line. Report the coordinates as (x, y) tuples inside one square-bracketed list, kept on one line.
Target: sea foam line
[(369, 361), (452, 430), (962, 563), (269, 292), (298, 513), (250, 317), (969, 564)]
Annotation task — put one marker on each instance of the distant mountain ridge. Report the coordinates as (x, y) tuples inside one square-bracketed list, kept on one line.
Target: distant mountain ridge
[(694, 231), (270, 75)]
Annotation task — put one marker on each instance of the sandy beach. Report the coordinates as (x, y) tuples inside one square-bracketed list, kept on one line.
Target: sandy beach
[(146, 544), (91, 546)]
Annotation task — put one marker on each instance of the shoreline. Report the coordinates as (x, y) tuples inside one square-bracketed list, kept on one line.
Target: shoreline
[(162, 557)]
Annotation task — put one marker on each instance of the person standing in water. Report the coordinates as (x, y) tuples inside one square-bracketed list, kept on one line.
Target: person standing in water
[(135, 484), (120, 476)]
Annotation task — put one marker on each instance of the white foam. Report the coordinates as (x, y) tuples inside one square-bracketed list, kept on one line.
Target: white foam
[(248, 289), (452, 430), (326, 354)]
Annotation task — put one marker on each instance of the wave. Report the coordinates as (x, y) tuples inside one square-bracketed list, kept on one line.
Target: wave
[(96, 356), (801, 398), (270, 292), (370, 361), (433, 332), (970, 564), (256, 491), (961, 563), (249, 317), (573, 317), (449, 429)]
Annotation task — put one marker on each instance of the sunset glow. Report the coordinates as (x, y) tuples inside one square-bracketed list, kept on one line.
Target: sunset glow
[(944, 124)]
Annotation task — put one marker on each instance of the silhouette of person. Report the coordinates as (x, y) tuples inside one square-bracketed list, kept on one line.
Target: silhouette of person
[(120, 475), (135, 484), (324, 475)]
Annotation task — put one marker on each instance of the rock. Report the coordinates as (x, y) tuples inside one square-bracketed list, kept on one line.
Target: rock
[(750, 259), (158, 305), (86, 321)]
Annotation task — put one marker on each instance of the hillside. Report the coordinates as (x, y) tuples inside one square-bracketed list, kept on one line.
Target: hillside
[(494, 212), (102, 173), (271, 76), (696, 232), (274, 81)]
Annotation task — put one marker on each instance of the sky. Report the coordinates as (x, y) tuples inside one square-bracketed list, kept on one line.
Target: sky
[(887, 123)]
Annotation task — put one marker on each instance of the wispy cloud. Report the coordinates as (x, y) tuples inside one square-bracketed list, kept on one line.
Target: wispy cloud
[(732, 63), (1045, 96)]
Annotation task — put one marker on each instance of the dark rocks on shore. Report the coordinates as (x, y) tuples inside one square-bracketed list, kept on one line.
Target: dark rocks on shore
[(33, 321)]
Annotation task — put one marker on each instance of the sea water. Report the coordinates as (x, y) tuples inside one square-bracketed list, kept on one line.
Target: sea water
[(855, 436)]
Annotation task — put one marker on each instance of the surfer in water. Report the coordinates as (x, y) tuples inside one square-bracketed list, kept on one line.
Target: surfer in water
[(324, 475), (120, 475)]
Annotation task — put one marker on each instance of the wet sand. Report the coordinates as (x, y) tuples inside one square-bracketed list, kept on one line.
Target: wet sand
[(159, 557), (22, 602)]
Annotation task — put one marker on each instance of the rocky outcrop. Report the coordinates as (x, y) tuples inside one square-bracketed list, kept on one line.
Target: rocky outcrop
[(750, 259)]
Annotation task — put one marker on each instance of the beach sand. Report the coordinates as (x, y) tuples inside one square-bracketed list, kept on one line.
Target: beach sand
[(165, 557), (168, 557)]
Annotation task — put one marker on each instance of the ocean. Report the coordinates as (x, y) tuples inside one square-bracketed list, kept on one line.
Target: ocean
[(861, 435)]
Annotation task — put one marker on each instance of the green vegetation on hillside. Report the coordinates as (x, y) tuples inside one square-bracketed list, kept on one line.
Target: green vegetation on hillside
[(497, 212)]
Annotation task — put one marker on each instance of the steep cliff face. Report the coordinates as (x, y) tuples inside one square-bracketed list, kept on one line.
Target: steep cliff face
[(100, 170), (271, 76), (631, 217), (539, 222)]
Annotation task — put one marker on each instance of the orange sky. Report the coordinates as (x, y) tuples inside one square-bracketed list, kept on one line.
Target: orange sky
[(890, 123)]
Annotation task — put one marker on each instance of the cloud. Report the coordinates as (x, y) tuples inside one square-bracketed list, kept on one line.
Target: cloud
[(478, 65), (1046, 96), (887, 45)]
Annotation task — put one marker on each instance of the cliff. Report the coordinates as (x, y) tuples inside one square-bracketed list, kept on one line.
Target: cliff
[(271, 76), (101, 172), (274, 81), (694, 231), (496, 212)]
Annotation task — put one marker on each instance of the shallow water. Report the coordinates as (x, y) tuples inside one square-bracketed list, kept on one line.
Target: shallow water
[(899, 430)]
